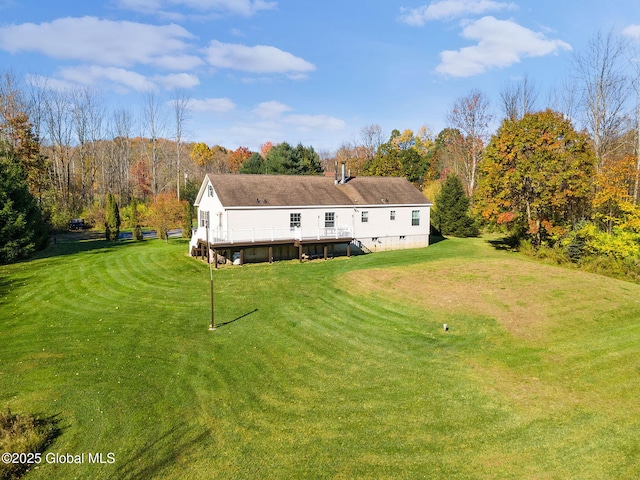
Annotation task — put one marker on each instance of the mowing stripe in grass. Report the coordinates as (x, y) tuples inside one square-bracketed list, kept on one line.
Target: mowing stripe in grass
[(315, 376)]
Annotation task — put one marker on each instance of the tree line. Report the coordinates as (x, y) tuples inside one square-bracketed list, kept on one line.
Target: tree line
[(560, 172)]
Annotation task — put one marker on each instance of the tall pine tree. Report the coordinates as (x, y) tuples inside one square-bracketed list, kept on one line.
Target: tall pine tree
[(451, 214), (112, 219), (22, 230)]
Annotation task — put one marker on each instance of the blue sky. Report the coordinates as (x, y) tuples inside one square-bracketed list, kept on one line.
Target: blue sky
[(301, 71)]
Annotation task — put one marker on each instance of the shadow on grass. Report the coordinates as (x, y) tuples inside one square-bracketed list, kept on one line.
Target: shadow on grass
[(433, 239), (5, 287), (218, 325), (162, 452), (510, 243), (70, 243)]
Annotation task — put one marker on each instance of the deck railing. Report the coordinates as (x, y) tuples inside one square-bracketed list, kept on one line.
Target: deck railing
[(266, 235)]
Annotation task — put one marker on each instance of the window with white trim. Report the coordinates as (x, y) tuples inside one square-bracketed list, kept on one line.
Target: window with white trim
[(392, 215), (204, 219), (415, 217), (364, 217), (329, 219), (210, 190), (295, 220)]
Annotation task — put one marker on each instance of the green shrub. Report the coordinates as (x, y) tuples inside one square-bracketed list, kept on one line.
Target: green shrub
[(137, 233), (94, 214), (132, 215)]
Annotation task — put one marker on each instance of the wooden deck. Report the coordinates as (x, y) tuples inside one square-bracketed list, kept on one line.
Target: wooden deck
[(201, 249)]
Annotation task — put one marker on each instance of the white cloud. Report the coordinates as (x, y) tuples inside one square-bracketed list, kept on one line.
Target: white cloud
[(448, 9), (178, 80), (50, 83), (216, 105), (257, 59), (500, 43), (277, 112), (315, 122), (177, 62), (245, 8), (122, 78), (103, 42), (272, 109), (632, 31)]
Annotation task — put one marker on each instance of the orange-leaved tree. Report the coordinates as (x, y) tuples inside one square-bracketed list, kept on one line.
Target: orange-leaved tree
[(238, 157), (536, 176)]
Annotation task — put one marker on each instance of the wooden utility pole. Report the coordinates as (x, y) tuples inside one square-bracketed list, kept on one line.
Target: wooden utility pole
[(213, 320)]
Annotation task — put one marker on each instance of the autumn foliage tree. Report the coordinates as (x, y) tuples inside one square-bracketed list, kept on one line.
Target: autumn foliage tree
[(27, 148), (536, 176), (166, 212), (403, 155), (265, 148), (614, 183), (238, 157), (201, 154), (214, 159)]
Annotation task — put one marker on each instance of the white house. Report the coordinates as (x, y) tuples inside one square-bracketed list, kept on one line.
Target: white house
[(271, 217)]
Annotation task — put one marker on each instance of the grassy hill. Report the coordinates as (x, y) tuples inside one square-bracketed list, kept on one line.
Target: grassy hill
[(337, 369)]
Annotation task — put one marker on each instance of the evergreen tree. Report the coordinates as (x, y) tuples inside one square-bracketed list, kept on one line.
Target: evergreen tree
[(187, 224), (451, 214), (308, 161), (283, 159), (112, 219), (254, 164), (22, 230), (135, 220)]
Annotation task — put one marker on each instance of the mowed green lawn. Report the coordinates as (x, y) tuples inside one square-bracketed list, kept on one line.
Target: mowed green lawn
[(338, 369)]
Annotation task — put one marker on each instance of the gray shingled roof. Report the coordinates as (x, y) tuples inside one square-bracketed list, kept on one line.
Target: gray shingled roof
[(298, 190)]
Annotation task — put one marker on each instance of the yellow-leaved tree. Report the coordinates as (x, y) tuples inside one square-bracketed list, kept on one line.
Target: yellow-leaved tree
[(166, 212)]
